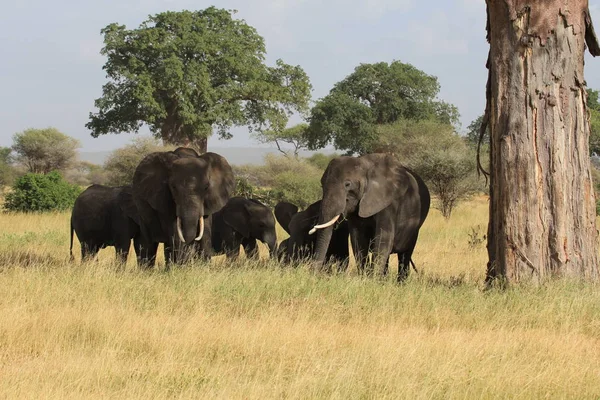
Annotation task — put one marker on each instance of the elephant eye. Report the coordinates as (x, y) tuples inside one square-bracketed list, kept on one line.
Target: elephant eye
[(347, 184)]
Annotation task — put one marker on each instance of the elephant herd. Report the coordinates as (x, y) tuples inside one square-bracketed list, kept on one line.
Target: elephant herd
[(184, 200)]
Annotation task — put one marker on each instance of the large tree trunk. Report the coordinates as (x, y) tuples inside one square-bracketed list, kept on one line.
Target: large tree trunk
[(542, 206)]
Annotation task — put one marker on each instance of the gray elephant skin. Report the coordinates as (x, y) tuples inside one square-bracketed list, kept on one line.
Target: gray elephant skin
[(242, 222), (105, 216), (301, 244), (175, 192), (385, 204)]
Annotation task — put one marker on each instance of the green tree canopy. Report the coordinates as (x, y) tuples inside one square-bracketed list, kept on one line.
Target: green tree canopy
[(45, 150), (473, 132), (187, 73), (373, 95)]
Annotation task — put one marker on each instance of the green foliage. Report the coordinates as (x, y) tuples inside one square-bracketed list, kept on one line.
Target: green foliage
[(85, 173), (7, 171), (283, 179), (594, 107), (438, 155), (473, 132), (245, 188), (320, 160), (41, 192), (373, 95), (185, 73), (44, 150), (295, 136), (121, 163)]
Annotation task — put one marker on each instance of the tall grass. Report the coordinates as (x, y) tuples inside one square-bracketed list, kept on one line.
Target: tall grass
[(256, 330)]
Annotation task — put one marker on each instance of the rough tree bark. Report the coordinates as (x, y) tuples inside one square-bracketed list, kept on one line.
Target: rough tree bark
[(542, 206)]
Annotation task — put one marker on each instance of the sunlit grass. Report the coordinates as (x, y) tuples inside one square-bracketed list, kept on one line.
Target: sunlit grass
[(257, 330)]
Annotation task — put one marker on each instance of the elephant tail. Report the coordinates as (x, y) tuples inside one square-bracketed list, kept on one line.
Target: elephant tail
[(71, 248), (411, 263)]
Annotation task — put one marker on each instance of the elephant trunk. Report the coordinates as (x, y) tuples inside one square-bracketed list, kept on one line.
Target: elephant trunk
[(270, 239), (190, 226), (332, 206)]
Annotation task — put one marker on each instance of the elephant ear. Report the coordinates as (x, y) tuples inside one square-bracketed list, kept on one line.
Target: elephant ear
[(284, 212), (222, 182), (151, 180), (238, 218), (127, 205), (385, 180)]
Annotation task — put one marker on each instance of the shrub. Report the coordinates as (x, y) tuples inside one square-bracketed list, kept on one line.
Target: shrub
[(298, 189), (121, 163), (39, 192)]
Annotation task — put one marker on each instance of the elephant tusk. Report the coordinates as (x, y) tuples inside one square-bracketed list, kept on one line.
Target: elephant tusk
[(179, 232), (325, 225), (201, 223)]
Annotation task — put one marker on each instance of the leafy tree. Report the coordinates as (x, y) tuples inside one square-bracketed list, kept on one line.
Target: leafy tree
[(41, 192), (86, 173), (185, 73), (473, 132), (7, 171), (121, 163), (594, 107), (45, 150), (373, 95), (295, 136)]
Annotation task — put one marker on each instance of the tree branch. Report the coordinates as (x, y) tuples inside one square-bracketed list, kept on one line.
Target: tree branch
[(590, 35)]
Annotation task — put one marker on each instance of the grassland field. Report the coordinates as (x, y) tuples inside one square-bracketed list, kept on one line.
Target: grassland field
[(256, 330)]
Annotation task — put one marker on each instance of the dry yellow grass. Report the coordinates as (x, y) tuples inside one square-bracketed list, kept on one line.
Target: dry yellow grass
[(255, 330)]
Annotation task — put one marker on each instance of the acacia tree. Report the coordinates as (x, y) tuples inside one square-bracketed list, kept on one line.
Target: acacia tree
[(186, 73), (374, 95), (45, 150), (294, 136), (542, 214)]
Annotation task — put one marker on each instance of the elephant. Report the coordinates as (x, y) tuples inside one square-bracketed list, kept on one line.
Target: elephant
[(385, 204), (105, 216), (243, 221), (301, 244), (175, 192)]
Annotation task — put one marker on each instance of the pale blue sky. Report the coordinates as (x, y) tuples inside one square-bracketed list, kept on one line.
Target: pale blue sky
[(51, 69)]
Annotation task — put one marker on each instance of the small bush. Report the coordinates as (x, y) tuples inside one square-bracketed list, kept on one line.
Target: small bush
[(298, 189), (282, 179), (121, 163), (39, 192)]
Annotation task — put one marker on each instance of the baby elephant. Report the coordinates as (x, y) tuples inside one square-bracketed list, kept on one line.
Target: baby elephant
[(105, 216), (243, 221)]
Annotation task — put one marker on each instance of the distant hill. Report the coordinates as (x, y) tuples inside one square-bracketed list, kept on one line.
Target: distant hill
[(235, 155)]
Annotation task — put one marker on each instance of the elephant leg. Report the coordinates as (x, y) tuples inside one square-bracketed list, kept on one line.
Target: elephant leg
[(204, 248), (250, 247), (404, 259), (122, 250), (147, 254), (89, 251), (382, 247), (360, 248), (232, 247), (137, 247)]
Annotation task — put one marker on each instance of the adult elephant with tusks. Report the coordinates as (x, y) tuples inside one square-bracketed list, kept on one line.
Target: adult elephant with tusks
[(175, 192), (385, 204)]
